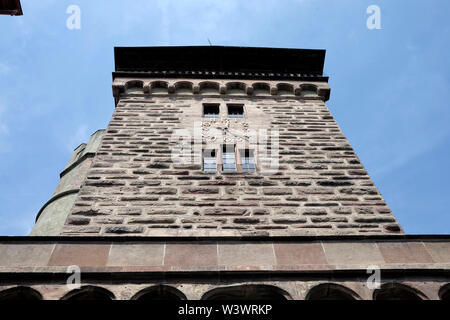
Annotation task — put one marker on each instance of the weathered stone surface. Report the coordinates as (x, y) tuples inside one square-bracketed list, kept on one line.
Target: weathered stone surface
[(16, 255), (334, 183), (299, 254), (260, 211), (129, 254), (262, 183), (277, 191), (78, 221), (191, 255), (79, 255), (374, 220), (161, 191), (150, 220), (225, 211), (352, 253), (404, 252), (318, 187), (123, 229), (439, 251), (246, 220), (168, 211), (201, 191), (288, 220), (89, 212), (235, 254)]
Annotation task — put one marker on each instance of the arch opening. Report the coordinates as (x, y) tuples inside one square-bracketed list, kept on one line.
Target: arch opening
[(236, 88), (397, 291), (134, 86), (444, 292), (183, 87), (285, 89), (159, 293), (331, 291), (308, 90), (261, 88), (89, 293), (20, 294), (159, 87), (246, 292), (209, 87)]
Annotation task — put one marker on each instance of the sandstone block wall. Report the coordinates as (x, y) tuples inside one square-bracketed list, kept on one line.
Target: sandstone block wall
[(134, 188)]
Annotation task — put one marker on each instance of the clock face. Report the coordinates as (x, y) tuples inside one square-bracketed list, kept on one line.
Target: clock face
[(229, 131)]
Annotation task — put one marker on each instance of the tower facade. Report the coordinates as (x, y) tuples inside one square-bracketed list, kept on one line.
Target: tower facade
[(223, 160), (234, 147)]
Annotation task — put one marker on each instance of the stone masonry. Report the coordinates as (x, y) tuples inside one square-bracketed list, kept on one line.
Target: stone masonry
[(133, 187)]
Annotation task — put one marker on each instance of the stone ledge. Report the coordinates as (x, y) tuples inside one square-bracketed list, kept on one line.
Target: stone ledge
[(309, 238), (294, 255)]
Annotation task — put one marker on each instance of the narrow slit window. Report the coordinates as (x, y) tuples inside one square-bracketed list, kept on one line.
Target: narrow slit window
[(209, 161), (211, 110), (235, 111), (228, 158), (248, 160)]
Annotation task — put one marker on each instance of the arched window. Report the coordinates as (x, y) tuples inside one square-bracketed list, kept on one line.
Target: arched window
[(134, 86), (159, 293), (209, 87), (183, 87), (246, 292), (20, 294), (308, 90), (444, 292), (90, 293), (331, 291), (236, 88), (397, 291), (261, 88), (159, 87)]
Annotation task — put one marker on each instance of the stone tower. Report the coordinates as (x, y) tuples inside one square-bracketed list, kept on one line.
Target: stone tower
[(150, 174), (222, 160)]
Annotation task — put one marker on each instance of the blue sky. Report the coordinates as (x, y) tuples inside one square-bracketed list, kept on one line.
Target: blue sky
[(389, 87)]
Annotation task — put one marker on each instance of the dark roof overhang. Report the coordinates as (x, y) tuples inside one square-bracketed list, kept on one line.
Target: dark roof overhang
[(220, 62), (11, 7)]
